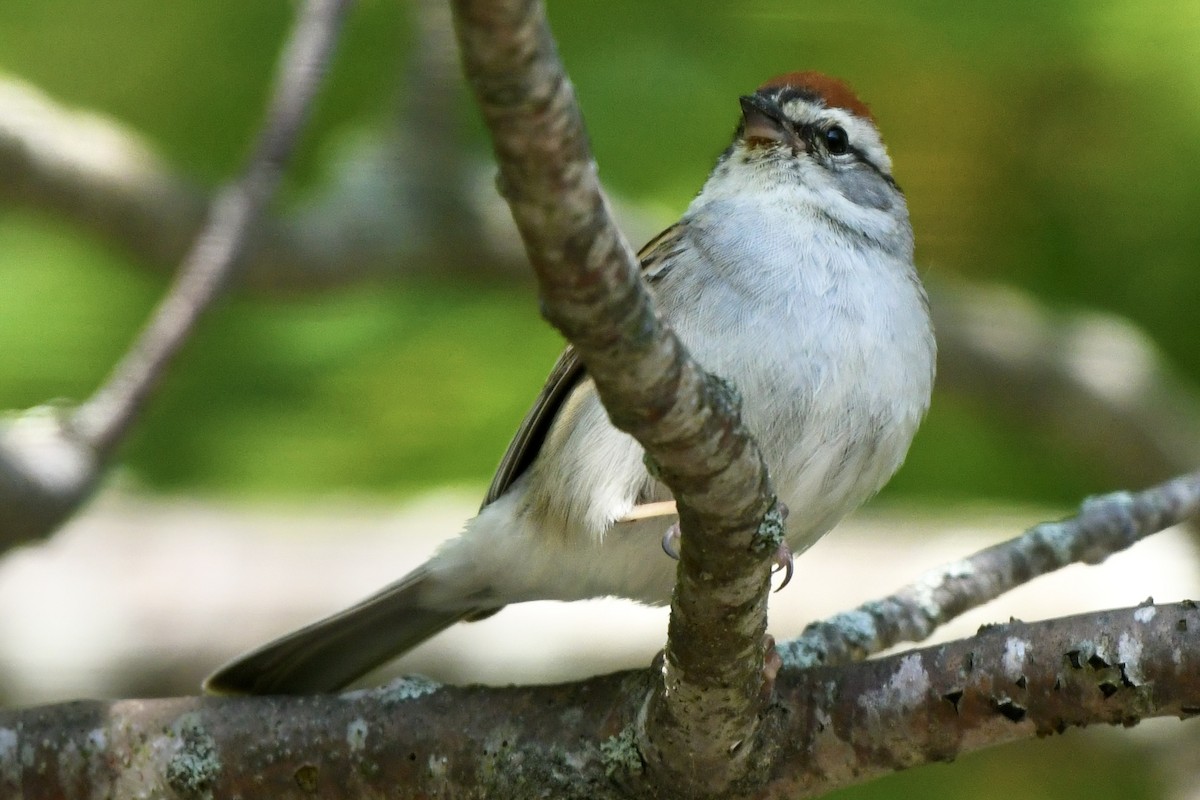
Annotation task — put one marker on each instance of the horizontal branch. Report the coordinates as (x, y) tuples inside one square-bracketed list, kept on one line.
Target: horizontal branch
[(1104, 526), (1009, 683), (95, 173), (108, 180), (832, 727)]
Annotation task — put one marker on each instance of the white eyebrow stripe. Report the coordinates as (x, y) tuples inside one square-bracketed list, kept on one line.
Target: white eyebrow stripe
[(863, 136)]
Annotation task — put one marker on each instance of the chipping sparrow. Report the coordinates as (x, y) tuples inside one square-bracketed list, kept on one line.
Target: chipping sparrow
[(790, 275)]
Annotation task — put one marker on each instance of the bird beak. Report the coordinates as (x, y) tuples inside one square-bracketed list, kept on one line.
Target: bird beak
[(763, 120)]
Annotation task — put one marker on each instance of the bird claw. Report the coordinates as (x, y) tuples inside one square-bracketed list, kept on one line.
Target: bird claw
[(670, 541), (783, 555), (783, 561)]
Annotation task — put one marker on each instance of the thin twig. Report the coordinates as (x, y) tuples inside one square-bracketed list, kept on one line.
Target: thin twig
[(1104, 525), (105, 418)]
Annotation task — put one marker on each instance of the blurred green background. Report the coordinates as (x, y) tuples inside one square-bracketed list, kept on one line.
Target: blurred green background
[(1050, 146)]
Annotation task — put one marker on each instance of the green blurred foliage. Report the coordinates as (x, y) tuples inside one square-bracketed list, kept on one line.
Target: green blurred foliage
[(1094, 764), (1049, 145)]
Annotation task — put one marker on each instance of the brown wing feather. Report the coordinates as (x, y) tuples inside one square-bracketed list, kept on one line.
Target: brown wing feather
[(568, 371)]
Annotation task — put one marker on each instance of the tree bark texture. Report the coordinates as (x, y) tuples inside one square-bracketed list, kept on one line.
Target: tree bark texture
[(829, 727), (700, 726)]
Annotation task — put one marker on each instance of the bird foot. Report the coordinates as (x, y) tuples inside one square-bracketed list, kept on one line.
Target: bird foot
[(783, 555), (670, 541), (784, 561)]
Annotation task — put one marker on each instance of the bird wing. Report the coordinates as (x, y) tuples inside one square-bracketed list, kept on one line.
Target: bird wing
[(568, 372)]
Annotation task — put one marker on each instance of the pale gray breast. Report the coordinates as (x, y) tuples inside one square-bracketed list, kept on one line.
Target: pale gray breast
[(831, 349)]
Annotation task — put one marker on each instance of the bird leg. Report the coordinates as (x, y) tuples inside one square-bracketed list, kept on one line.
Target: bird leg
[(648, 510)]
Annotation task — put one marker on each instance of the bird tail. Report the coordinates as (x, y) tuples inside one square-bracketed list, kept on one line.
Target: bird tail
[(332, 652)]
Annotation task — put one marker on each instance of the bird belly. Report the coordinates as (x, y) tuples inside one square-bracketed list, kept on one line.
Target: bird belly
[(834, 361)]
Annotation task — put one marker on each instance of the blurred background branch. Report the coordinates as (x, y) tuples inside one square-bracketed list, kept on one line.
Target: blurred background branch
[(78, 445)]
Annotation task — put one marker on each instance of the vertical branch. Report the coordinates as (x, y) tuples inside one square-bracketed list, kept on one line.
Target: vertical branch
[(700, 727), (436, 172), (105, 418)]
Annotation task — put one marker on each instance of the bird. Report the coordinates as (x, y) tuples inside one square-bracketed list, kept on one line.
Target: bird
[(791, 276)]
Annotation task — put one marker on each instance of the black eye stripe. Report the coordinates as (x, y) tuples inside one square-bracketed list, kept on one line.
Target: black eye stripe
[(862, 159), (813, 134), (815, 137)]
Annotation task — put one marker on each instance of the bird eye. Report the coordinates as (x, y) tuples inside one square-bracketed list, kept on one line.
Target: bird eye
[(836, 141)]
